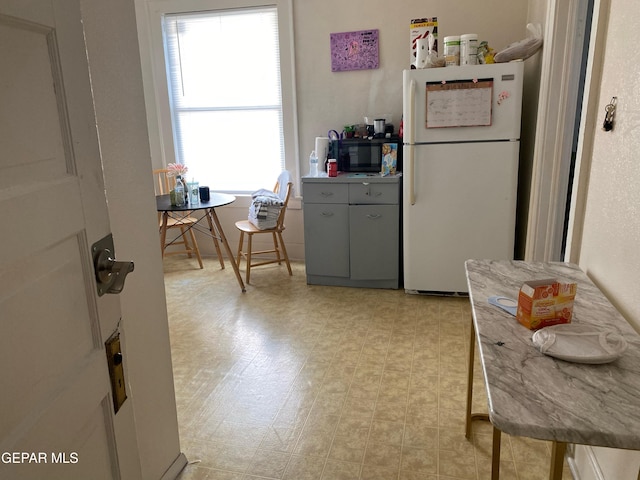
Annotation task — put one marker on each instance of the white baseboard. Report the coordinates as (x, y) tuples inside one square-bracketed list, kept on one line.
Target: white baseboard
[(571, 460), (584, 463), (176, 467), (599, 463)]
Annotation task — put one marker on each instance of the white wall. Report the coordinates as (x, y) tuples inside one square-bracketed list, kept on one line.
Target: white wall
[(610, 251), (610, 247), (328, 100)]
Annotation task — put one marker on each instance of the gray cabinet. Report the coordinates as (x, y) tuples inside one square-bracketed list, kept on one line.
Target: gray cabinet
[(327, 239), (352, 230)]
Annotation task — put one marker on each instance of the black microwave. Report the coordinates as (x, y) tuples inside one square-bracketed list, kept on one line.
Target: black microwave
[(363, 155)]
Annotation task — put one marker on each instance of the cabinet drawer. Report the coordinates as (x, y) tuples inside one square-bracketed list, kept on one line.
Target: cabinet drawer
[(325, 193), (374, 193)]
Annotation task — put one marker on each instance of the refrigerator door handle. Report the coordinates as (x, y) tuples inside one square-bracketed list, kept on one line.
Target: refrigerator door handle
[(411, 135)]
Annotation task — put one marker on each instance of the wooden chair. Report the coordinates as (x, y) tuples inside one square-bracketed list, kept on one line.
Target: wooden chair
[(283, 189), (163, 185)]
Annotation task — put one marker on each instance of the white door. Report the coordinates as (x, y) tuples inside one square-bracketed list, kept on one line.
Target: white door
[(56, 412), (465, 207)]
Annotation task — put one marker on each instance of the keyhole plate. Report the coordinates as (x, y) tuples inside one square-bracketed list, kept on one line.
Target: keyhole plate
[(116, 371)]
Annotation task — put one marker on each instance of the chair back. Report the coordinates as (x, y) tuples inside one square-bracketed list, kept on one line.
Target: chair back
[(283, 179), (283, 188), (163, 183)]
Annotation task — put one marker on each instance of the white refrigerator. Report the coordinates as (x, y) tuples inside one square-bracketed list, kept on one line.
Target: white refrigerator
[(461, 154)]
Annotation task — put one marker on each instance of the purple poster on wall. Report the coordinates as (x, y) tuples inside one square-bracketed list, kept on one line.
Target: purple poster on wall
[(354, 50)]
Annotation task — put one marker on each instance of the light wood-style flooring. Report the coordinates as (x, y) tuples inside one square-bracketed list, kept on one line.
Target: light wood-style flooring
[(296, 382)]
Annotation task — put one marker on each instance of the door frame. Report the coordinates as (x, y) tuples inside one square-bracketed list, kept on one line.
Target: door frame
[(591, 115), (550, 181)]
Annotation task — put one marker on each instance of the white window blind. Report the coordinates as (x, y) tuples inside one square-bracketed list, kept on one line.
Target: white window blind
[(224, 84)]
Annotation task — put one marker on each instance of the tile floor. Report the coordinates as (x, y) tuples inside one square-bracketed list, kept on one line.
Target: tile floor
[(296, 382)]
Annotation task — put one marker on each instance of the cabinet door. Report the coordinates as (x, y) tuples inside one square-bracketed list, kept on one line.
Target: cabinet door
[(374, 241), (326, 239)]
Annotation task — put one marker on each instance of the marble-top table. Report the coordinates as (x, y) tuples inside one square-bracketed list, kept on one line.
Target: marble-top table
[(534, 395)]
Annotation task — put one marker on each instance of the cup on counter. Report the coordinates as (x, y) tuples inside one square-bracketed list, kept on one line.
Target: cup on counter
[(194, 192), (205, 195)]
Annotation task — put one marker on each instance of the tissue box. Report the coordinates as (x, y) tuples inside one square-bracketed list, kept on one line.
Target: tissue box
[(543, 303)]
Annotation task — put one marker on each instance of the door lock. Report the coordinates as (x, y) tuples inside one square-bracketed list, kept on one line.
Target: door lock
[(110, 274), (116, 371)]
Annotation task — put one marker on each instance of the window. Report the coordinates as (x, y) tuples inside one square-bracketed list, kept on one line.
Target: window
[(225, 95)]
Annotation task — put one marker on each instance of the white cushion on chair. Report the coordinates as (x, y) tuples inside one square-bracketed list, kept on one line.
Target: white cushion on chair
[(283, 180)]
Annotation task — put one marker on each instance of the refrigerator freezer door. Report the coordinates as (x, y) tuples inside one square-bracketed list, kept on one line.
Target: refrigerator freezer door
[(465, 207), (506, 103)]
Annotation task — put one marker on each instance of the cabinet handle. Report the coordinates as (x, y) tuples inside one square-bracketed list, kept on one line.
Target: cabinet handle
[(365, 183), (410, 165), (327, 214), (373, 216), (326, 194)]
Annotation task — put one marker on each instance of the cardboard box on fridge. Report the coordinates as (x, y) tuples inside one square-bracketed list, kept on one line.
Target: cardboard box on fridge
[(420, 28), (542, 303)]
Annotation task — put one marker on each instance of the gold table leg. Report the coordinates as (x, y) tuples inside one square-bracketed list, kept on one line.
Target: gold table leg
[(558, 449), (472, 353), (471, 416), (495, 454), (495, 451)]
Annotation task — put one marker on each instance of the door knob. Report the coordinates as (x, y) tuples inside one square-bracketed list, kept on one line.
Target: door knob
[(110, 274)]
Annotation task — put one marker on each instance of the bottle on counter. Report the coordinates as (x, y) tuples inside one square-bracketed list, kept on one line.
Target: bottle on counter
[(179, 192), (185, 189), (313, 164), (332, 167), (194, 192)]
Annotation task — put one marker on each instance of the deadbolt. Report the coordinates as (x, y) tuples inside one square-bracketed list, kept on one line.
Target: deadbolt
[(110, 274)]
